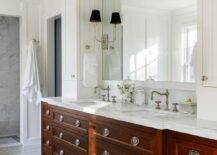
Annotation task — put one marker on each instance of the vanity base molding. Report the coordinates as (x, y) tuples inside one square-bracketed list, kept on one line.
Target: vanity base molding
[(70, 132)]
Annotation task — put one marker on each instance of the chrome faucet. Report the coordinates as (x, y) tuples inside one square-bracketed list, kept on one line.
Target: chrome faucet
[(105, 89), (166, 94)]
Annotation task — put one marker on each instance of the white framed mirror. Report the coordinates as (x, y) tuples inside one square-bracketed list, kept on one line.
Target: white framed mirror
[(155, 40)]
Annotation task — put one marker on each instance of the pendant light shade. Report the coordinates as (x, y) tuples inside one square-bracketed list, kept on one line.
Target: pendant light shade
[(95, 16), (116, 19)]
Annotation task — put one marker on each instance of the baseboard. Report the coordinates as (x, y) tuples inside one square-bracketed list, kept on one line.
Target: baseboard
[(32, 142)]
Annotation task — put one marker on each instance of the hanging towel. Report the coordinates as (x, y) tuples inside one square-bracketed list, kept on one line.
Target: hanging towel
[(90, 69), (31, 85)]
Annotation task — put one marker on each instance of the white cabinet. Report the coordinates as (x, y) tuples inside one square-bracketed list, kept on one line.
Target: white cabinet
[(71, 36), (70, 49), (208, 19)]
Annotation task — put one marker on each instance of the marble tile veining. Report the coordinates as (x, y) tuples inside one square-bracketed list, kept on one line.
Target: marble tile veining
[(9, 76)]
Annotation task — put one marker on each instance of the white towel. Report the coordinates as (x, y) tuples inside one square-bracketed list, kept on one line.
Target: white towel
[(90, 69), (31, 85)]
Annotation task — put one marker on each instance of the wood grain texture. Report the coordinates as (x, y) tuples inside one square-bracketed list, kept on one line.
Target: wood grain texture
[(183, 144)]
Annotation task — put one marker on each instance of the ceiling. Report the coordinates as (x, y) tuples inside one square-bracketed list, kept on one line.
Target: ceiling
[(161, 4)]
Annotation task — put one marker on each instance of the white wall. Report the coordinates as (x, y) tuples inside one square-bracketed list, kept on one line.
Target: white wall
[(11, 7), (86, 37)]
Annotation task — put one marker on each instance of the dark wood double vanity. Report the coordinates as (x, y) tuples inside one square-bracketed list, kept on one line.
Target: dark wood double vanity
[(70, 132)]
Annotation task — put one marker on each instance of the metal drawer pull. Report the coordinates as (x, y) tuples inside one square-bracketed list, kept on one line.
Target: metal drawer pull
[(106, 132), (61, 135), (47, 142), (61, 118), (193, 152), (48, 127), (135, 141), (105, 153), (77, 142), (61, 152), (77, 123), (47, 112)]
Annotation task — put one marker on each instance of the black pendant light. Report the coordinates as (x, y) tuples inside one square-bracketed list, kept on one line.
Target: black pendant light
[(95, 16), (116, 19)]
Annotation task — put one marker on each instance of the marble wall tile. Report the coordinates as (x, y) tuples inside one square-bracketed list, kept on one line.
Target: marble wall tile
[(9, 76), (176, 96)]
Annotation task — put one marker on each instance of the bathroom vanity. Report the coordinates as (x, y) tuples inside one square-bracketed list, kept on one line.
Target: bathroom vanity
[(88, 127)]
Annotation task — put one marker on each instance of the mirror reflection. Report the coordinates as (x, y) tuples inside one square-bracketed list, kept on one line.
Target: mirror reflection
[(156, 40)]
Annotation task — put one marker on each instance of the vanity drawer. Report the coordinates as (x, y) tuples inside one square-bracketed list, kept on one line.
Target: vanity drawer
[(46, 126), (136, 136), (46, 144), (46, 150), (46, 139), (61, 147), (76, 139), (69, 120), (108, 147), (45, 110)]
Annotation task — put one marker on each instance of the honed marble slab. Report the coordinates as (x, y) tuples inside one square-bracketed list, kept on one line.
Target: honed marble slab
[(189, 124)]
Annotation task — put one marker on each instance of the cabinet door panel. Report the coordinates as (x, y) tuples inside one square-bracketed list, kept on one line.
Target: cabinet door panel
[(70, 46), (209, 39), (186, 148), (184, 144)]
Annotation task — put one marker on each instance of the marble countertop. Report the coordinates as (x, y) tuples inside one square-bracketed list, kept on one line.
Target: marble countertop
[(141, 115)]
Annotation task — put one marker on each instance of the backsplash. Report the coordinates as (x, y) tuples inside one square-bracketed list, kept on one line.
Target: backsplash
[(175, 95)]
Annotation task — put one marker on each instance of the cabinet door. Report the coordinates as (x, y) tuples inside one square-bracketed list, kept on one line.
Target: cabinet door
[(188, 148), (208, 26), (183, 144), (70, 52)]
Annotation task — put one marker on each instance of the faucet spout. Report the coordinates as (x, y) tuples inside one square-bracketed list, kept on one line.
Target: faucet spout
[(166, 94), (105, 89)]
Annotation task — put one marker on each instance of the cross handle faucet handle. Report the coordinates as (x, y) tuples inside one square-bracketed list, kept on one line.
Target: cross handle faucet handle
[(158, 104)]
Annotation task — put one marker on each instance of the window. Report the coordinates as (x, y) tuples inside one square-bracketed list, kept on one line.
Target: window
[(189, 39), (144, 64)]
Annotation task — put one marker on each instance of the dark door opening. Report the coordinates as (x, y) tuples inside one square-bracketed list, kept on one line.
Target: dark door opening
[(58, 56)]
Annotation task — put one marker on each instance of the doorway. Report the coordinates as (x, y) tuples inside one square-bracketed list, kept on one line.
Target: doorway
[(54, 57), (9, 80), (58, 56)]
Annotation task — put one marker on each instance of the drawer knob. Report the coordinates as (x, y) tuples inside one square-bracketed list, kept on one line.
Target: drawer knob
[(106, 132), (61, 135), (77, 142), (193, 152), (47, 112), (77, 123), (61, 118), (105, 153), (48, 127), (47, 142), (61, 152), (135, 141)]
